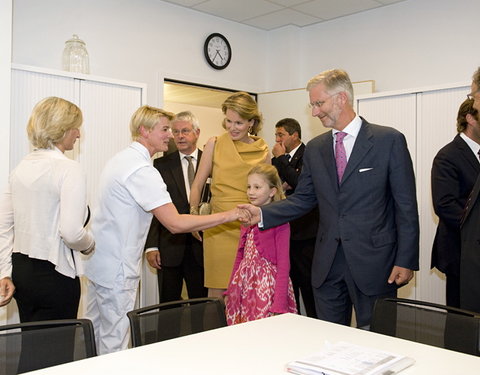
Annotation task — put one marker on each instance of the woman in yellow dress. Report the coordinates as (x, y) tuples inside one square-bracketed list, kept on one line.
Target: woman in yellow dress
[(228, 159)]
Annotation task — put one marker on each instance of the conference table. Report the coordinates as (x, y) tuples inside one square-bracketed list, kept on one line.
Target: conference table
[(261, 347)]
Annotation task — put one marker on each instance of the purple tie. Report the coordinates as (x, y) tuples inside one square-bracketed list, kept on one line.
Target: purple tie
[(340, 155)]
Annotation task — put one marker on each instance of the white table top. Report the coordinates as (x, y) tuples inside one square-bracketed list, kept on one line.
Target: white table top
[(262, 347)]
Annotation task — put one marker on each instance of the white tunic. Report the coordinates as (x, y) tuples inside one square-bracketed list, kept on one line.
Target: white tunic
[(130, 187)]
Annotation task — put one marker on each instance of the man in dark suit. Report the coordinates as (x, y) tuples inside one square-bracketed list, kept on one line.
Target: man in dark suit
[(288, 159), (361, 177), (454, 171), (470, 253), (475, 90), (178, 257), (469, 233)]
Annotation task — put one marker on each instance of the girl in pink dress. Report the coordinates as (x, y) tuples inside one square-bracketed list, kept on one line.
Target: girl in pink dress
[(260, 286)]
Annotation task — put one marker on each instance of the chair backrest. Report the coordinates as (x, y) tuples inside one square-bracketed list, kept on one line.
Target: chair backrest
[(36, 345), (174, 319), (427, 323)]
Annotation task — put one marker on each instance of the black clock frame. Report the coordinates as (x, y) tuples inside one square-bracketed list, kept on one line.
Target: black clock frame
[(205, 51)]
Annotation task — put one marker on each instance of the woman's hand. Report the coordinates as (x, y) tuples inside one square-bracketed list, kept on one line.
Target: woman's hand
[(6, 290)]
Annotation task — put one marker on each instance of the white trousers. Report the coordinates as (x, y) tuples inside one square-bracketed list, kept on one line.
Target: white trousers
[(107, 309)]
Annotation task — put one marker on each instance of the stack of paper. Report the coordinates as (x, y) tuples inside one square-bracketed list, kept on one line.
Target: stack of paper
[(348, 359)]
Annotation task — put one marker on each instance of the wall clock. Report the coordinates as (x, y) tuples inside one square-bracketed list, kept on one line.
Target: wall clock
[(217, 51)]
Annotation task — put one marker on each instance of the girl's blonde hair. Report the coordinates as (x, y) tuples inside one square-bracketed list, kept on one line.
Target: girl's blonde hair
[(269, 172)]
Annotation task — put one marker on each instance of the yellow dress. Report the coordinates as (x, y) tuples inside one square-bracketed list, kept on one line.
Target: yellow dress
[(232, 160)]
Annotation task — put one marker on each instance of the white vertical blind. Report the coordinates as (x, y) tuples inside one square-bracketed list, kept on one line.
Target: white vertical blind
[(436, 126), (427, 118), (107, 109), (399, 112), (28, 88)]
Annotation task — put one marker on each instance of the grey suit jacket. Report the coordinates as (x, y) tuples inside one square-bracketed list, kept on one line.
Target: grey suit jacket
[(373, 212)]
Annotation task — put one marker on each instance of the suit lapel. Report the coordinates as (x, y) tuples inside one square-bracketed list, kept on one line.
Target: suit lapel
[(362, 145), (297, 156), (177, 172), (467, 152), (472, 201), (326, 151)]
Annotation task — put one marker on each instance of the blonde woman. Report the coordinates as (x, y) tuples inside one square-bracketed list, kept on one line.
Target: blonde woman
[(227, 159), (130, 191), (42, 216)]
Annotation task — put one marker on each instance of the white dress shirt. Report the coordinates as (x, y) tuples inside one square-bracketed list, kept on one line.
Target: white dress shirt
[(43, 210), (352, 130), (292, 153), (474, 146)]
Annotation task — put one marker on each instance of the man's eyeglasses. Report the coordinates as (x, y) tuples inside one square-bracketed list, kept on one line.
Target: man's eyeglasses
[(471, 96), (183, 131), (319, 103)]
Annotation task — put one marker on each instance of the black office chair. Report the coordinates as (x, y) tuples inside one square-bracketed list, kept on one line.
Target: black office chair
[(169, 320), (427, 323), (36, 345)]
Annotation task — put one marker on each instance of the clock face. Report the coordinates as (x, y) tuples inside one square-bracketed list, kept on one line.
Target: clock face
[(217, 51)]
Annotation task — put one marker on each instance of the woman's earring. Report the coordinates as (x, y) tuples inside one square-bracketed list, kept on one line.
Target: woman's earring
[(250, 129)]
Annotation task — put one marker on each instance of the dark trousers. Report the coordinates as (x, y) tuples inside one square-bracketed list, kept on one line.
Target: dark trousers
[(335, 297), (44, 294), (453, 290), (301, 256), (170, 279), (41, 292)]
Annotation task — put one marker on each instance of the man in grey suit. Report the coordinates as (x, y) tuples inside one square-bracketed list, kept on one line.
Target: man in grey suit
[(178, 257), (363, 183)]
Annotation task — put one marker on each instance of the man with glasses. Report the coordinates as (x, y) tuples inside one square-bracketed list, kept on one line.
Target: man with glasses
[(454, 171), (360, 176), (475, 90), (178, 257), (469, 233)]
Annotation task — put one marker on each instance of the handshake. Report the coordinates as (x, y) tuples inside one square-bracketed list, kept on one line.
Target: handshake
[(247, 214)]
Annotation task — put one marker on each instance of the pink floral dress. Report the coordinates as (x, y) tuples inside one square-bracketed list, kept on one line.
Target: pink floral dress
[(251, 289)]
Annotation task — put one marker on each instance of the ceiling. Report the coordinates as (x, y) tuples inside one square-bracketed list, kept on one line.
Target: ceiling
[(272, 14)]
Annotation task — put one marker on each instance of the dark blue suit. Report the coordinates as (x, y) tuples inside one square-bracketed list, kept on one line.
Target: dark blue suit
[(368, 223)]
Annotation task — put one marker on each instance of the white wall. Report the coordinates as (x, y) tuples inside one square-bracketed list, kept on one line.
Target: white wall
[(141, 40), (413, 43), (410, 44)]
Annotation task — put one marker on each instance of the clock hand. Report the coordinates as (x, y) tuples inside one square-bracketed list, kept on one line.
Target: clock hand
[(218, 53)]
